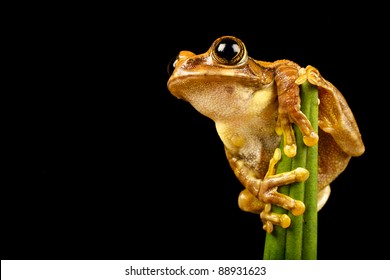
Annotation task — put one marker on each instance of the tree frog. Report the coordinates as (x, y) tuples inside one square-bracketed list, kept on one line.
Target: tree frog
[(253, 104)]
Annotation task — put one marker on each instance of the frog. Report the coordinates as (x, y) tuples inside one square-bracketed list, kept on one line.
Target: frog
[(254, 105)]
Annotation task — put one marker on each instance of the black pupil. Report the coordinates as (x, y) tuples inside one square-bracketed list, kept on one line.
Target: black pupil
[(227, 49)]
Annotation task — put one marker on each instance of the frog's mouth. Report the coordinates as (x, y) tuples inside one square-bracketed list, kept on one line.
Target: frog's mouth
[(212, 96), (191, 87), (172, 85), (210, 84)]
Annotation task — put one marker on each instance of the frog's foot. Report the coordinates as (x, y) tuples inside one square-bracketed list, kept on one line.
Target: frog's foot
[(283, 127), (296, 207), (270, 219), (302, 76), (249, 203), (312, 75), (268, 190), (269, 195)]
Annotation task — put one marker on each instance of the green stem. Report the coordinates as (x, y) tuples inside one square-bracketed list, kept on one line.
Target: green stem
[(310, 226), (299, 241)]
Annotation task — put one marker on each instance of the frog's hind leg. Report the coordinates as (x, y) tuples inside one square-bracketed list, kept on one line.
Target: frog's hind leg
[(265, 191), (334, 117)]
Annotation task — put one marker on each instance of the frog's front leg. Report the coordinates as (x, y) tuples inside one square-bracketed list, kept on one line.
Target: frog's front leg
[(289, 109), (260, 194)]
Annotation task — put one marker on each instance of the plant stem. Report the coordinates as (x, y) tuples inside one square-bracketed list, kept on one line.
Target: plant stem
[(299, 241), (310, 226)]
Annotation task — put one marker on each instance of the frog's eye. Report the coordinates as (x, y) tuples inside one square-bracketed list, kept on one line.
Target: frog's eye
[(229, 50)]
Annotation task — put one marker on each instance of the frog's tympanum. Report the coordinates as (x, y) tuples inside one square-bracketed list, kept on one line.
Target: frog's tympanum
[(253, 103)]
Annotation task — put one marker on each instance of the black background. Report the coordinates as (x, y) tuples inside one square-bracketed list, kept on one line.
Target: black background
[(106, 164)]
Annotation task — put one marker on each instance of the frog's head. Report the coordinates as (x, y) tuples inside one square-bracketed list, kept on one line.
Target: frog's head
[(220, 82)]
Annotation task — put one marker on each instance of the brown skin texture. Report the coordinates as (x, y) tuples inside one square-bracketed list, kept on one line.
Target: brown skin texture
[(255, 103)]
